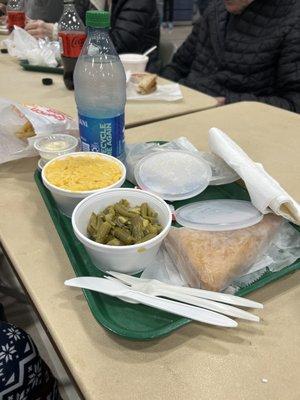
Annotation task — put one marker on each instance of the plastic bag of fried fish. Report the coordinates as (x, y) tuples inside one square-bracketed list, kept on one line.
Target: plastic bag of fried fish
[(226, 260)]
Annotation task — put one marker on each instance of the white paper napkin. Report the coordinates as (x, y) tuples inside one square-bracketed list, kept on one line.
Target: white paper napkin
[(265, 192)]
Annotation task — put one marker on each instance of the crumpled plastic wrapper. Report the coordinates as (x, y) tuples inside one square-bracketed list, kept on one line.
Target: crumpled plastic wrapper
[(135, 152), (23, 46), (283, 251), (45, 121)]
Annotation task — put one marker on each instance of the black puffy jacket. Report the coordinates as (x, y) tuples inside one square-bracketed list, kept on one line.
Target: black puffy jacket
[(135, 27), (254, 56)]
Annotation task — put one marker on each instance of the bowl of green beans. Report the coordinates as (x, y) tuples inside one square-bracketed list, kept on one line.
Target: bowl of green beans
[(122, 229)]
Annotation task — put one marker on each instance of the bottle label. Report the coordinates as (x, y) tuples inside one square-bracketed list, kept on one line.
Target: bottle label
[(103, 135), (15, 18), (71, 43)]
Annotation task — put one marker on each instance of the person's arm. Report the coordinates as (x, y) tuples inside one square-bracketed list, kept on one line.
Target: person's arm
[(129, 28), (288, 76), (181, 63), (40, 29)]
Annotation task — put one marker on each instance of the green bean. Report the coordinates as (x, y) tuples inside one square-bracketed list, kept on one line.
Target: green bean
[(93, 221), (144, 210), (137, 227), (103, 232), (152, 229), (123, 235), (120, 224), (119, 208), (125, 203)]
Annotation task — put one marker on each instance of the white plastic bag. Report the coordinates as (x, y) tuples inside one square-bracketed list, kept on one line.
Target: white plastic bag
[(23, 46), (45, 121)]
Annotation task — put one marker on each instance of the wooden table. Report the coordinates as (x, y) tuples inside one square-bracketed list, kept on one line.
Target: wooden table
[(26, 87), (197, 361)]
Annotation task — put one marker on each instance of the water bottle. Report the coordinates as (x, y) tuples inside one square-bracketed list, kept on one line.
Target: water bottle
[(71, 33), (15, 10), (100, 89)]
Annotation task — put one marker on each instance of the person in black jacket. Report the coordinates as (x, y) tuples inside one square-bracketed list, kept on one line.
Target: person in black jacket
[(134, 23), (243, 50), (135, 28)]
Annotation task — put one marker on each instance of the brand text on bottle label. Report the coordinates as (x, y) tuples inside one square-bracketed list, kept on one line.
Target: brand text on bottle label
[(71, 43), (102, 135), (15, 18)]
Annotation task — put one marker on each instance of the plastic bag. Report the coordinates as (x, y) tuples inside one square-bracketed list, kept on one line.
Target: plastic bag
[(221, 173), (212, 260), (44, 120), (283, 251), (23, 46)]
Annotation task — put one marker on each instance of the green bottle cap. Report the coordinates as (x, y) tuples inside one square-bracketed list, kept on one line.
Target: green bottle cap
[(97, 19)]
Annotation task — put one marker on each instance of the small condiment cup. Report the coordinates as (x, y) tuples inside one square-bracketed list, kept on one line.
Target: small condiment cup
[(52, 146)]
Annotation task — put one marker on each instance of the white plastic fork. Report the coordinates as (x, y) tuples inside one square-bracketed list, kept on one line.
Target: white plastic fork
[(204, 294), (221, 308)]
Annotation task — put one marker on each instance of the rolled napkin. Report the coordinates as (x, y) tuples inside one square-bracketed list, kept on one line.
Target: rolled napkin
[(265, 192)]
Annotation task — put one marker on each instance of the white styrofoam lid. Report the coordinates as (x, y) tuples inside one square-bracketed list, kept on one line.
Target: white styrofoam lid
[(218, 215), (173, 174)]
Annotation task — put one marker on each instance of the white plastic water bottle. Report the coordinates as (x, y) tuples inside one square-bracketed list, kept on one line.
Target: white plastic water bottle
[(100, 89)]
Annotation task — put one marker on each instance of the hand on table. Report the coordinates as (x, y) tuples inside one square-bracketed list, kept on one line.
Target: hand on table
[(220, 101), (39, 29)]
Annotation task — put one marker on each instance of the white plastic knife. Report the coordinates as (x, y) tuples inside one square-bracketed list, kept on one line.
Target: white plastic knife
[(118, 289), (192, 300), (205, 294)]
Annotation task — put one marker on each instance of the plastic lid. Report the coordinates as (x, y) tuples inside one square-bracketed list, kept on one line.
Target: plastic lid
[(97, 19), (221, 172), (218, 215), (173, 174)]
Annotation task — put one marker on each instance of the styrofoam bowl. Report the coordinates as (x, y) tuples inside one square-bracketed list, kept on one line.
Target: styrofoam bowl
[(67, 200), (126, 259), (134, 62)]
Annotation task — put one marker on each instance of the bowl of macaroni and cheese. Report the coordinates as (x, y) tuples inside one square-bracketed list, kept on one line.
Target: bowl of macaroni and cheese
[(73, 177)]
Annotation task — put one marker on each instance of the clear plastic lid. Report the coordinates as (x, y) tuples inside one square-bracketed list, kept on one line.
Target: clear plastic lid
[(218, 215), (173, 174), (221, 172)]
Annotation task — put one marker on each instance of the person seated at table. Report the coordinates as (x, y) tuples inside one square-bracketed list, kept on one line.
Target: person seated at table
[(23, 374), (135, 24), (243, 50)]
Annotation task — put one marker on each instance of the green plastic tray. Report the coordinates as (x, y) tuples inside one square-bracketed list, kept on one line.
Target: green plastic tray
[(38, 68), (136, 321)]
